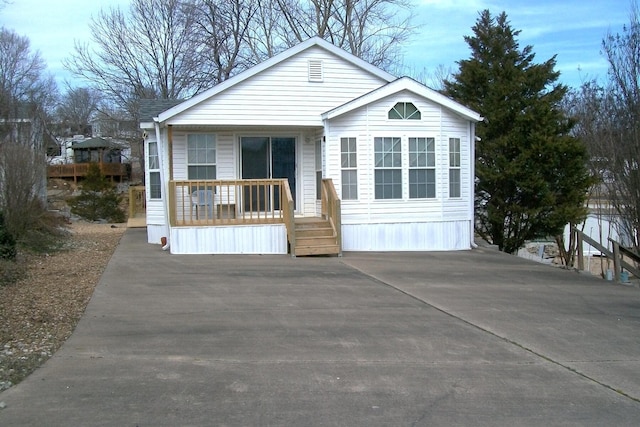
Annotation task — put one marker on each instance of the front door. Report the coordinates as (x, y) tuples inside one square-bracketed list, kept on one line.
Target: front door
[(265, 158)]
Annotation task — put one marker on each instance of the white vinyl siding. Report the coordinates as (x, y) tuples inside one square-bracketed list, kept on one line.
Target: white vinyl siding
[(283, 95), (443, 222)]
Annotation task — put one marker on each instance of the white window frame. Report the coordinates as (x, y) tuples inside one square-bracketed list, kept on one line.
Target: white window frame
[(349, 167), (153, 169), (318, 159), (194, 155), (455, 171), (399, 112), (385, 162), (422, 161)]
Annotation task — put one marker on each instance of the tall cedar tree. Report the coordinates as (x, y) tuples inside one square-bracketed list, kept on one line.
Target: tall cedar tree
[(98, 198), (532, 177)]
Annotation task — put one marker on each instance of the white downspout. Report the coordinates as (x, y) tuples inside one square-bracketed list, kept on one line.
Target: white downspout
[(165, 186), (472, 160)]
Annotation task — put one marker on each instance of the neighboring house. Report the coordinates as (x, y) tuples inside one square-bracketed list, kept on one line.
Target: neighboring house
[(602, 223), (23, 124), (75, 154), (313, 151), (98, 150)]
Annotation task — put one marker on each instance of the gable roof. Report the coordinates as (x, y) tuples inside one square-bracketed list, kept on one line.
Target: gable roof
[(150, 108), (281, 57), (403, 83), (97, 142)]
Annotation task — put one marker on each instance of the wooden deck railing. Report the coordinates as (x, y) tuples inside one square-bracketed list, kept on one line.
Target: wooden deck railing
[(289, 219), (76, 170), (331, 209), (618, 254), (226, 202), (137, 201)]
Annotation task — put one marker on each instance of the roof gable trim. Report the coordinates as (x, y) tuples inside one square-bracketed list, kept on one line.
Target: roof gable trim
[(403, 83), (314, 41)]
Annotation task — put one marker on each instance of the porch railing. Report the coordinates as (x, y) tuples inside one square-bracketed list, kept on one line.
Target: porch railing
[(76, 170), (137, 201), (229, 202), (331, 209), (618, 254)]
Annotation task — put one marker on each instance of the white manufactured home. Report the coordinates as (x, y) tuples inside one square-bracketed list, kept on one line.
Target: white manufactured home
[(313, 151)]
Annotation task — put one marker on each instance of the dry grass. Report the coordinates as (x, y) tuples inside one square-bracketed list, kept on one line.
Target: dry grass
[(39, 312)]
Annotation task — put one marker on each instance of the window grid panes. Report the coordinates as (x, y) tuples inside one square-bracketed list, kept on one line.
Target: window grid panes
[(201, 156), (348, 156), (153, 166), (388, 167), (422, 172), (318, 170), (454, 167), (155, 189), (404, 111)]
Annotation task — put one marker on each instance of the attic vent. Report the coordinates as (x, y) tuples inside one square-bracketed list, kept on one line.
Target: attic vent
[(316, 73)]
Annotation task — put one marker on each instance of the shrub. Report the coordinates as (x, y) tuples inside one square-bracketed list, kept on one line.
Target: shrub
[(98, 198), (7, 242), (10, 272)]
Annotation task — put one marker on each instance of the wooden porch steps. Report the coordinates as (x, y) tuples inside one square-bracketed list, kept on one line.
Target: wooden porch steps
[(315, 236)]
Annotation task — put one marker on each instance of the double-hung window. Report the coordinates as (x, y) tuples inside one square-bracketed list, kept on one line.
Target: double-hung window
[(388, 167), (454, 167), (348, 156), (153, 166), (318, 169), (422, 168), (201, 156)]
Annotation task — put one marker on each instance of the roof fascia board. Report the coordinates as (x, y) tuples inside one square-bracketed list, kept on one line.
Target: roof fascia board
[(403, 83), (314, 41)]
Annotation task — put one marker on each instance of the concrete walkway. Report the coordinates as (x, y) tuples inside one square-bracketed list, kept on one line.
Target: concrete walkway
[(422, 339)]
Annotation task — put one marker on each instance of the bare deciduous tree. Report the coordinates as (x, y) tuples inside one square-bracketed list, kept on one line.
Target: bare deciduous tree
[(222, 27), (373, 30), (621, 147), (172, 49), (147, 52), (26, 95), (76, 109)]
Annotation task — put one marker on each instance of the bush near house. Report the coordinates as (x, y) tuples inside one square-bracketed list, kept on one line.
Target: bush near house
[(9, 271), (98, 198), (7, 242)]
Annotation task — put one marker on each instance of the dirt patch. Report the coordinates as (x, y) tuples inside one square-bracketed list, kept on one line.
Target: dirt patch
[(40, 311)]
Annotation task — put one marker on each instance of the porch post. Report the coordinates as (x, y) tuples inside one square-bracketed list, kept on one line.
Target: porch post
[(170, 149)]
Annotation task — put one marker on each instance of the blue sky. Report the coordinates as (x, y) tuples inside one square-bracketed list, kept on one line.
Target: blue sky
[(571, 29)]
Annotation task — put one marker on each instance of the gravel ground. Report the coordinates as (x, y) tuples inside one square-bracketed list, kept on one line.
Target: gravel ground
[(39, 312)]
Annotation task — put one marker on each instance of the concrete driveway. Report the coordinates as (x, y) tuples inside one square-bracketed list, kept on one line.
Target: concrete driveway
[(419, 339)]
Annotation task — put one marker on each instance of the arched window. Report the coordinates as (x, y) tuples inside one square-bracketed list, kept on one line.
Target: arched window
[(404, 111)]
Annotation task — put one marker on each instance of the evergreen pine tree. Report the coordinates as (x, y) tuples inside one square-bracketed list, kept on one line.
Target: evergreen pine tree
[(532, 177), (98, 198)]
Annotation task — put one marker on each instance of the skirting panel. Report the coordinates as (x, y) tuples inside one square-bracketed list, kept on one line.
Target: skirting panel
[(155, 232), (421, 236), (244, 239)]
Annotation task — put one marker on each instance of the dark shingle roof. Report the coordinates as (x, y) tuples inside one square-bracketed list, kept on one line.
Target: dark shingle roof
[(150, 108), (95, 143)]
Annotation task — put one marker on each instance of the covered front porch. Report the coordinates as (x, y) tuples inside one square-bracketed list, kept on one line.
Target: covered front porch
[(250, 216)]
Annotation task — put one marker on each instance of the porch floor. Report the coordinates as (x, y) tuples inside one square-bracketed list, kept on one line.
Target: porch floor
[(138, 221)]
